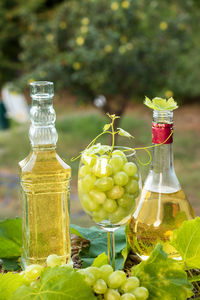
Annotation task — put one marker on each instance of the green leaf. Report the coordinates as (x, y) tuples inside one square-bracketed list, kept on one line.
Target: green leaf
[(10, 238), (10, 264), (106, 127), (161, 103), (98, 237), (186, 240), (124, 133), (100, 260), (9, 283), (163, 277), (59, 283)]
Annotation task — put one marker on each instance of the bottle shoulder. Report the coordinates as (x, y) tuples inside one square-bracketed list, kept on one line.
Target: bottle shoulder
[(162, 182), (44, 162)]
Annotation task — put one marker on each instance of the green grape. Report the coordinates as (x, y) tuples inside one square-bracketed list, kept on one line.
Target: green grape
[(116, 192), (130, 284), (136, 176), (130, 168), (110, 206), (116, 279), (53, 260), (106, 270), (102, 168), (121, 178), (141, 293), (132, 187), (100, 287), (116, 163), (118, 215), (88, 204), (100, 215), (126, 200), (88, 159), (104, 184), (97, 196), (88, 277), (88, 182), (128, 296), (83, 171), (112, 295), (96, 272), (121, 154), (32, 272)]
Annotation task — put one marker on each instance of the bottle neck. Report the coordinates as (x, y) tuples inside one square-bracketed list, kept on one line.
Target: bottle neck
[(162, 177), (42, 133), (162, 158)]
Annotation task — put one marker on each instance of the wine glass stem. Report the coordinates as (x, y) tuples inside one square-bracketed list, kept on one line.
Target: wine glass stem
[(111, 248)]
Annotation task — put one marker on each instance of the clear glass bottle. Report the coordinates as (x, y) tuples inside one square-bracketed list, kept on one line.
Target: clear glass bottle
[(163, 206), (45, 183)]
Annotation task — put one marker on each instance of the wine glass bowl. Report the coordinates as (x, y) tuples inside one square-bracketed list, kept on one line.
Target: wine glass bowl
[(109, 184)]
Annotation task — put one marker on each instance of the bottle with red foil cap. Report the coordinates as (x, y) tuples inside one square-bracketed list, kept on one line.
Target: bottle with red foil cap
[(163, 206)]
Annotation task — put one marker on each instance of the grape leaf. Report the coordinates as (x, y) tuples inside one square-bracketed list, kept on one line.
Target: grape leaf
[(11, 264), (186, 240), (9, 283), (59, 283), (161, 104), (100, 260), (98, 237), (194, 278), (10, 238), (163, 277)]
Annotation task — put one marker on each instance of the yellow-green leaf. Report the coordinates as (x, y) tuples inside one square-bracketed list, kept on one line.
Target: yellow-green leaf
[(59, 283), (163, 277), (9, 283), (186, 240), (100, 260), (161, 103)]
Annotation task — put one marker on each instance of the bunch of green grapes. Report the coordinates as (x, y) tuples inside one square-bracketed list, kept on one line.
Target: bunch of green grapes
[(109, 285), (108, 186), (106, 284)]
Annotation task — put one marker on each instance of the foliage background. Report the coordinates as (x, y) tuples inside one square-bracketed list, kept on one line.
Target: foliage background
[(120, 48)]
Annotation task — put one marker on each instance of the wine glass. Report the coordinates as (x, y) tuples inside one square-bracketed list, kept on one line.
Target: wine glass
[(109, 183)]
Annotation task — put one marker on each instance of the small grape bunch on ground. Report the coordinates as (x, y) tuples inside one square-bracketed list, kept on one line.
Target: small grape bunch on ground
[(108, 184), (109, 285)]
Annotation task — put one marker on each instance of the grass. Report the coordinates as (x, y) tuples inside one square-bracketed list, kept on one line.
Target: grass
[(78, 128)]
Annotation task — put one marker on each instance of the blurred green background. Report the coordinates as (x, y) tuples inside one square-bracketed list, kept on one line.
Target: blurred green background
[(122, 49)]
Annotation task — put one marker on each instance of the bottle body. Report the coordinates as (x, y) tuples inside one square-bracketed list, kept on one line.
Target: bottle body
[(45, 181), (163, 206), (45, 208)]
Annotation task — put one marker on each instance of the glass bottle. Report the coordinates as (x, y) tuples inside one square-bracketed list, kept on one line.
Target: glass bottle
[(163, 206), (45, 184)]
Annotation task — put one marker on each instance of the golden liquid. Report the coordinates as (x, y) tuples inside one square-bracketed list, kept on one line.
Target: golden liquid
[(45, 208), (157, 215)]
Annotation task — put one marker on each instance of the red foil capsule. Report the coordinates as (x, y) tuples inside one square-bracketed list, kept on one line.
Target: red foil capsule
[(162, 133)]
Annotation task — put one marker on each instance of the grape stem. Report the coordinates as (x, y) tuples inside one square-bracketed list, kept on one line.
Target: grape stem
[(113, 133)]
